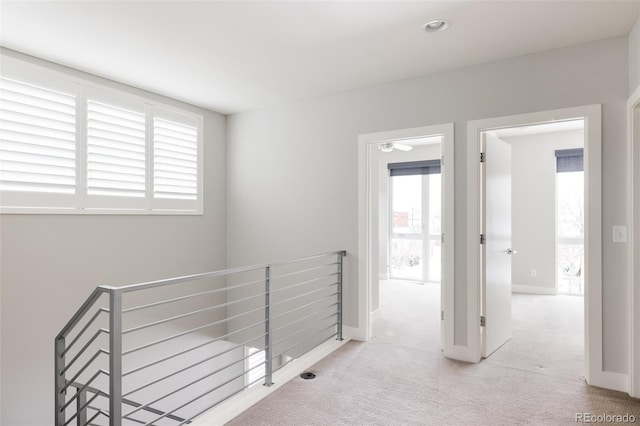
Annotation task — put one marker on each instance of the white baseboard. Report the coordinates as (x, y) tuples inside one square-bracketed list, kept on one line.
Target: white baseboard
[(533, 289), (613, 381), (235, 405), (354, 333)]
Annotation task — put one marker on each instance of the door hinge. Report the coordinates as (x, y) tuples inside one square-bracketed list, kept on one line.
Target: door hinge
[(442, 161), (482, 157), (482, 239), (442, 315), (442, 238), (483, 321)]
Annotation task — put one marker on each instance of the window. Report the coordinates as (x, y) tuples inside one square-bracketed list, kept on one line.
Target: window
[(255, 366), (415, 234), (69, 146), (570, 221)]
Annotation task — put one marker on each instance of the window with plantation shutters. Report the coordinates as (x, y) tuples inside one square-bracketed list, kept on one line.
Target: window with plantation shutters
[(116, 145), (68, 145), (175, 160), (37, 139)]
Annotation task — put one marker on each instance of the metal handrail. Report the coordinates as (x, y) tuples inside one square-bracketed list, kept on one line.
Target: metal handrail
[(231, 310)]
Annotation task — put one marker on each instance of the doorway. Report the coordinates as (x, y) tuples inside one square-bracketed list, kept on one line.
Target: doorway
[(374, 249), (533, 226), (482, 325)]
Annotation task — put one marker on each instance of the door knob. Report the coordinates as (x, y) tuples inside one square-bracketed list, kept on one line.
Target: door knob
[(510, 252)]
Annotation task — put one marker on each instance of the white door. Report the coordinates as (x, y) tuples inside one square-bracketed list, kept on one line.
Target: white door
[(497, 251)]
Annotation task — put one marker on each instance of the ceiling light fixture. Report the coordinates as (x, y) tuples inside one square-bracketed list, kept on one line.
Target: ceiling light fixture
[(436, 26), (390, 146)]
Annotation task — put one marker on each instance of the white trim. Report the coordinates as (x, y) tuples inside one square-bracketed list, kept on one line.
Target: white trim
[(633, 185), (375, 315), (365, 187), (533, 289), (609, 380), (235, 405), (593, 217)]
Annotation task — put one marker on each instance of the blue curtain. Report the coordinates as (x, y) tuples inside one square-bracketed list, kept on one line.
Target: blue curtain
[(570, 160), (427, 167)]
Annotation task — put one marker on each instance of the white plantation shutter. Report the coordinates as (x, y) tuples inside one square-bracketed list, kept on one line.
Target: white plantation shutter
[(70, 145), (37, 139), (175, 160), (116, 158)]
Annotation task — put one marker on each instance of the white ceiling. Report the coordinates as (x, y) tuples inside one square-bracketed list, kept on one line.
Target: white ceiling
[(232, 56)]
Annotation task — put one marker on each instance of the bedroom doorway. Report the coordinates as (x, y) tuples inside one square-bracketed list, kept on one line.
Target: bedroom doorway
[(377, 225)]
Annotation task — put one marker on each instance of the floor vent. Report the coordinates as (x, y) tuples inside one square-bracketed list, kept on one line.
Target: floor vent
[(308, 376)]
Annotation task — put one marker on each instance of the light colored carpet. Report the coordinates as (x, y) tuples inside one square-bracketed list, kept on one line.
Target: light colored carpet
[(401, 378)]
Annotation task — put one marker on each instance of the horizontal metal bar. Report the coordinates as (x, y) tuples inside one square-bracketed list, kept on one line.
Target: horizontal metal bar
[(313, 257), (124, 401), (160, 283), (193, 330), (188, 367), (84, 367), (189, 296), (297, 296), (315, 268), (304, 318), (187, 385), (99, 411), (305, 329), (304, 306), (200, 396), (84, 348), (78, 411), (304, 282), (314, 346), (136, 420), (223, 399), (81, 332), (309, 338), (194, 348), (81, 312), (188, 314), (82, 388)]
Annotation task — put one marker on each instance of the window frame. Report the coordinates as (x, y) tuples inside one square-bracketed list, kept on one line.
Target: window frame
[(23, 202)]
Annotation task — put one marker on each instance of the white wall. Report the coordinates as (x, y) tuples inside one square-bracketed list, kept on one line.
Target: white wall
[(49, 264), (533, 188), (292, 180), (634, 58)]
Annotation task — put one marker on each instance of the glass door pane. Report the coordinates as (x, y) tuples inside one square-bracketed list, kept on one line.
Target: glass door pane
[(407, 244), (570, 222)]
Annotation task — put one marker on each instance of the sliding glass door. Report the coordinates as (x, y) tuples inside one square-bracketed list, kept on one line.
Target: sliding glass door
[(570, 221), (415, 249)]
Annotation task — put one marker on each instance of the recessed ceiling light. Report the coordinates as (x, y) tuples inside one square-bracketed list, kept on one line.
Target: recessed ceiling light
[(436, 26)]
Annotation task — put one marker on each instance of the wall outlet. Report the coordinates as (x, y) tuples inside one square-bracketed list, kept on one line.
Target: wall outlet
[(534, 273), (619, 234)]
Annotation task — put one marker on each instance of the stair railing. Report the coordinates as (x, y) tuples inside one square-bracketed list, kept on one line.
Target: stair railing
[(165, 352)]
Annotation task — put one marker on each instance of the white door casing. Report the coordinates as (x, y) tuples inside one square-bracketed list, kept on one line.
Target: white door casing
[(367, 202), (497, 250), (591, 114), (633, 117)]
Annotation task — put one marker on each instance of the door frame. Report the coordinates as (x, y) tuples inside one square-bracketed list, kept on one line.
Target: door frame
[(592, 116), (367, 202), (633, 185)]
